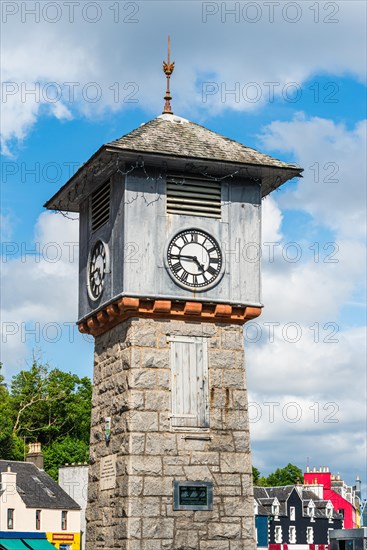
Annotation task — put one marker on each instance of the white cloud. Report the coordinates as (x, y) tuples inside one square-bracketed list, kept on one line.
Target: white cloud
[(327, 272), (306, 292), (38, 289), (333, 189), (223, 48), (271, 221), (313, 394), (302, 350)]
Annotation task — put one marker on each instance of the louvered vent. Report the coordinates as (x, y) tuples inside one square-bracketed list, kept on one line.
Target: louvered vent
[(101, 206), (193, 196)]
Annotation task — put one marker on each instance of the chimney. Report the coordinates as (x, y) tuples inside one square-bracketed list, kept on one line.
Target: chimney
[(358, 487), (8, 482), (35, 455)]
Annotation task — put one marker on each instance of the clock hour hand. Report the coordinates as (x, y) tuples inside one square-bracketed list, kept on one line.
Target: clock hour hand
[(97, 270), (194, 258)]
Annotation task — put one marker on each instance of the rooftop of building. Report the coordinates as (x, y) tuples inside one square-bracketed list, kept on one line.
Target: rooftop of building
[(36, 488)]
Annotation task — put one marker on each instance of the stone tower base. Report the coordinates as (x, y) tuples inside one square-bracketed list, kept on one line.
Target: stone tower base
[(130, 496)]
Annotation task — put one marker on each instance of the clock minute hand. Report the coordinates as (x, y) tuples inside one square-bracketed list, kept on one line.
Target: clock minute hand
[(194, 258)]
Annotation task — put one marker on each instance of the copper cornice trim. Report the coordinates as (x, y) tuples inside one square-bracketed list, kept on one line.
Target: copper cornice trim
[(124, 308)]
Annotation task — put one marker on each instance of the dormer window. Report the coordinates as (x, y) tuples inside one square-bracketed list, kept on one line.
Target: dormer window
[(275, 508), (311, 511), (256, 508), (292, 513), (329, 511)]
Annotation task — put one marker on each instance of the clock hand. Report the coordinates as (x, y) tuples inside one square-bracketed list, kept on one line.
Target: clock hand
[(97, 270), (194, 258), (187, 257)]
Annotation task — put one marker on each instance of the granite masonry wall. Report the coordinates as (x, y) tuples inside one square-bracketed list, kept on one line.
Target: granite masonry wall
[(130, 495)]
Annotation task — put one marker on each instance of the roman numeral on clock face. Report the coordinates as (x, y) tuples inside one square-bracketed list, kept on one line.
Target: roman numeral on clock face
[(184, 276)]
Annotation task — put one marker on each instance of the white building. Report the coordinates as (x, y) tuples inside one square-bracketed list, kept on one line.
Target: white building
[(32, 502), (73, 479)]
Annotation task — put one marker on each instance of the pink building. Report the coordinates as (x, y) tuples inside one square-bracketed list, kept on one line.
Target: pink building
[(331, 487)]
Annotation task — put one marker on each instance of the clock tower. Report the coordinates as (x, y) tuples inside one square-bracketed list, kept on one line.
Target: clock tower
[(170, 242)]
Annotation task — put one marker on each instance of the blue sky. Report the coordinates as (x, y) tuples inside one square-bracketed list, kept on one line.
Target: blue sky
[(289, 82)]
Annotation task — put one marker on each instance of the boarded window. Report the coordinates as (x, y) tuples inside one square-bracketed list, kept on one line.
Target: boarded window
[(189, 368)]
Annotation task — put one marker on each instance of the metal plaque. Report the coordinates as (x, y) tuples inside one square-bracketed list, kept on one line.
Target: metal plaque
[(192, 495)]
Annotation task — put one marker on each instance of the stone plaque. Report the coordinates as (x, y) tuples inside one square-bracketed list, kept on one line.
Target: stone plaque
[(192, 495), (107, 478)]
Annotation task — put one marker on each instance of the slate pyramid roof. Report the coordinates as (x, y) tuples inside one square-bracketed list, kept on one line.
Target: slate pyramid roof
[(172, 138), (175, 136)]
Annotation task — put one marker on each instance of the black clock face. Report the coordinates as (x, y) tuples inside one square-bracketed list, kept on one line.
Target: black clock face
[(97, 270), (194, 259)]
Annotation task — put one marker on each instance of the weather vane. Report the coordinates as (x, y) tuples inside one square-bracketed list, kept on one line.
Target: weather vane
[(168, 70)]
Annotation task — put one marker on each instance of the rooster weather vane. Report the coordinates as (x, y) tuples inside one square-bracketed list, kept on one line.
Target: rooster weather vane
[(168, 69)]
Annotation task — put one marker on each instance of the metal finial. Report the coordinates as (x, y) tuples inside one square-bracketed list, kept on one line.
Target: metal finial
[(168, 68)]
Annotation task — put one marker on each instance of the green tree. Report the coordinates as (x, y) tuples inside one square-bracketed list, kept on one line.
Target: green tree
[(65, 451), (255, 475), (11, 446), (49, 406), (5, 419), (289, 475)]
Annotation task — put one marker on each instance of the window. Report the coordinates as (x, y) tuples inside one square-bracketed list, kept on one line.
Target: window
[(275, 508), (292, 513), (38, 520), (311, 511), (309, 535), (64, 520), (193, 196), (100, 206), (10, 518), (292, 534), (189, 372), (278, 534)]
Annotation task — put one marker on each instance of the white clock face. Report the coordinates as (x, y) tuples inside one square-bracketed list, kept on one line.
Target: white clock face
[(97, 270), (194, 259)]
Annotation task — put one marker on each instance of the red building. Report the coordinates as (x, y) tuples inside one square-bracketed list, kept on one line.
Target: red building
[(331, 487)]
